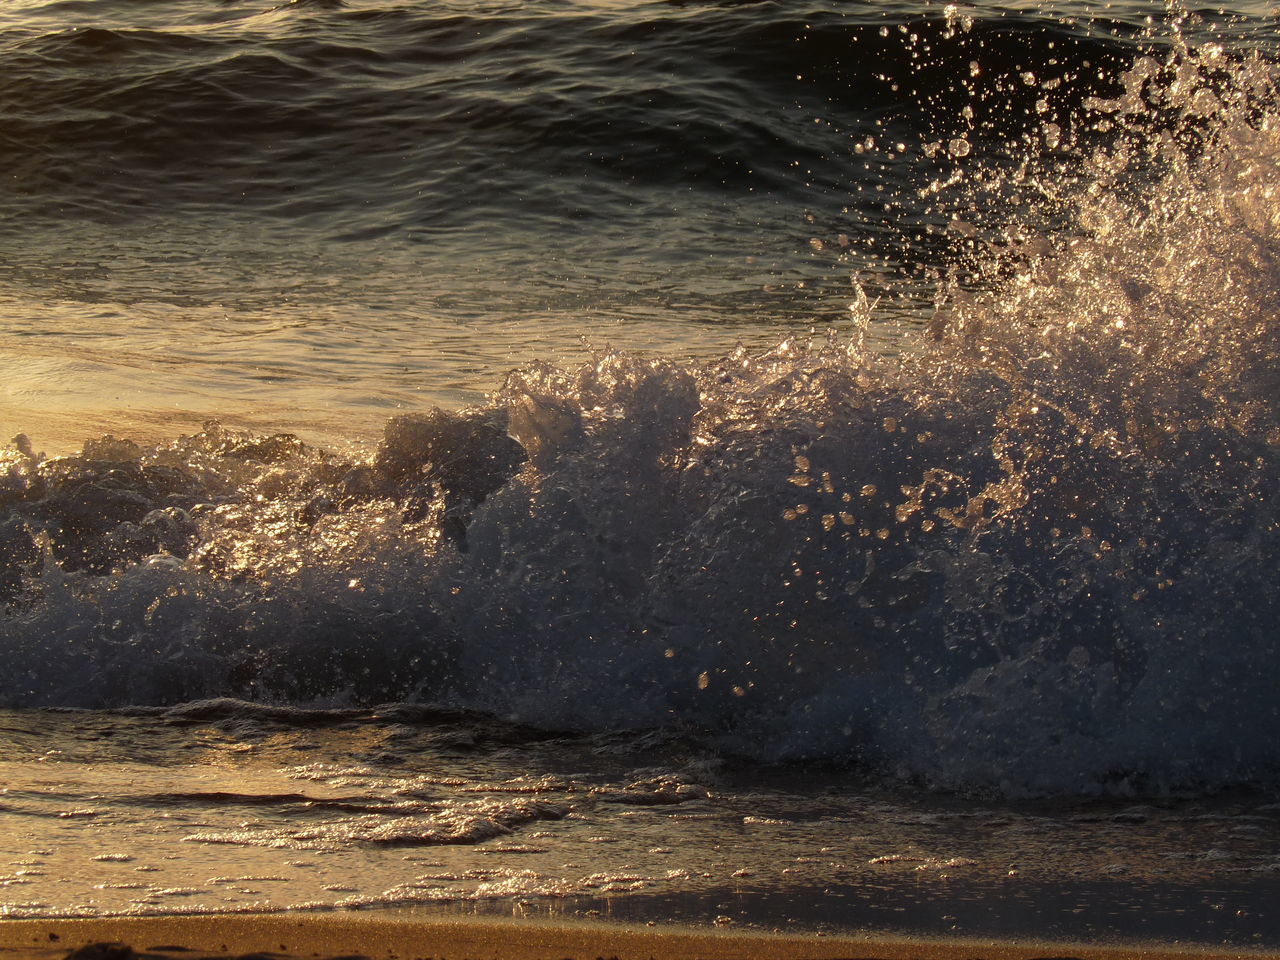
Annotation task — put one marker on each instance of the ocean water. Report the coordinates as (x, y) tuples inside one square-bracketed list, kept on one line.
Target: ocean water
[(788, 464)]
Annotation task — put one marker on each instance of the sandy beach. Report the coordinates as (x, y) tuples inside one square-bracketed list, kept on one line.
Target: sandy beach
[(378, 938)]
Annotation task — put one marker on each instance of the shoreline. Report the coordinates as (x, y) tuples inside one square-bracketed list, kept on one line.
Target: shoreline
[(481, 938)]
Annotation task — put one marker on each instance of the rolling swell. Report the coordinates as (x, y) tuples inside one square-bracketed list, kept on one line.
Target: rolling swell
[(431, 118)]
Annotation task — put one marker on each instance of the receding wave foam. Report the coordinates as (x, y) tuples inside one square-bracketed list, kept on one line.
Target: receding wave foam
[(1034, 553)]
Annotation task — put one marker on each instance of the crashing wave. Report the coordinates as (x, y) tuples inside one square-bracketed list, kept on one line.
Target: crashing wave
[(1031, 554)]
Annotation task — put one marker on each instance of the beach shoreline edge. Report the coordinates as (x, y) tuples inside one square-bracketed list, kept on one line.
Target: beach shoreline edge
[(487, 938)]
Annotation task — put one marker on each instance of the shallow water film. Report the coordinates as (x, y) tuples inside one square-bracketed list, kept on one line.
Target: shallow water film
[(227, 807)]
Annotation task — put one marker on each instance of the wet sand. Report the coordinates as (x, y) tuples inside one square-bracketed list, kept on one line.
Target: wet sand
[(379, 938)]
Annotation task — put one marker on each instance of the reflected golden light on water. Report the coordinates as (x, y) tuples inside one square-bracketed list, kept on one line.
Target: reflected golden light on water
[(63, 428)]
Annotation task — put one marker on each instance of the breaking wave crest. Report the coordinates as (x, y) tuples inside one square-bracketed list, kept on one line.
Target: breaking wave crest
[(1032, 553)]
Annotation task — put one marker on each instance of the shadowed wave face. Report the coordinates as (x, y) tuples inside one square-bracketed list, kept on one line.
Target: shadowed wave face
[(499, 125), (405, 118), (1029, 552)]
